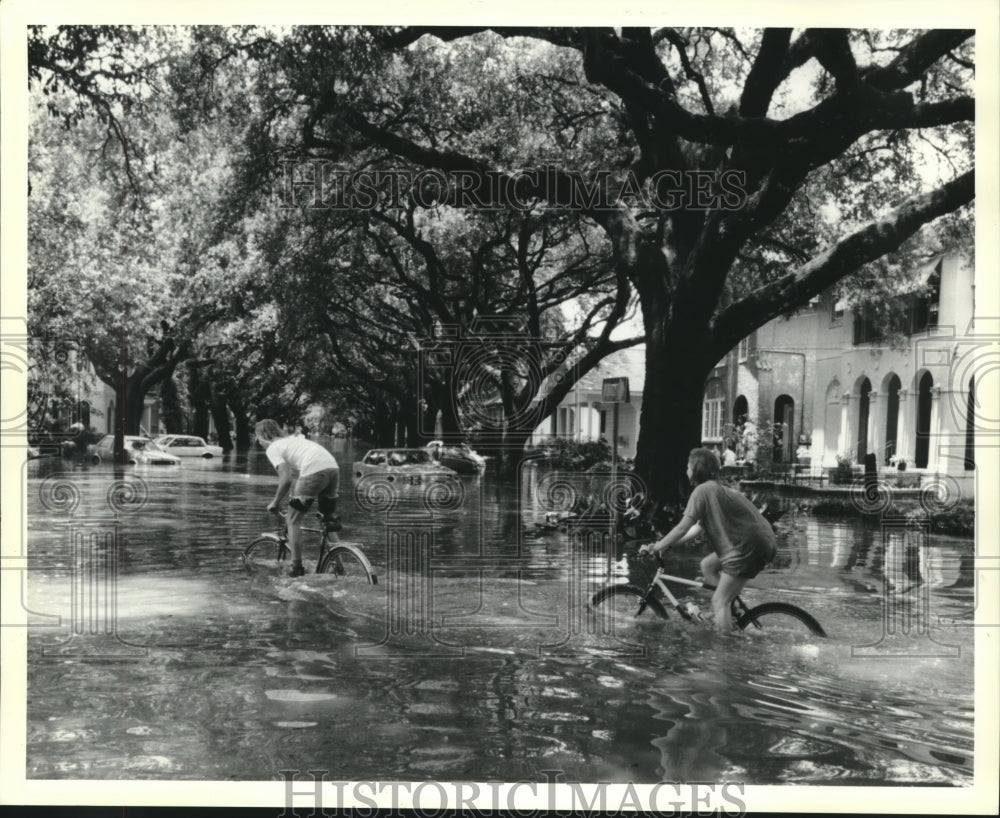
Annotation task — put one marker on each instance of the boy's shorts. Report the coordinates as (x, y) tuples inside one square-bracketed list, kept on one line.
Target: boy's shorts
[(747, 564), (324, 483)]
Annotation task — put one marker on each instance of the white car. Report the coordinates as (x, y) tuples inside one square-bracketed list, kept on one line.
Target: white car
[(407, 467), (187, 446), (139, 450)]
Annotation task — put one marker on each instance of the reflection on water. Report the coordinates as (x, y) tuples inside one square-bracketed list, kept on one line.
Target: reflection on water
[(475, 658)]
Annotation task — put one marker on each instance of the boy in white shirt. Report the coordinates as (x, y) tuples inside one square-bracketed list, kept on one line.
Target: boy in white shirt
[(309, 471)]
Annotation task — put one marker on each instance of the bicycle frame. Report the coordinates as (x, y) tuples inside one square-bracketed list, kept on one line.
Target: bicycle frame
[(327, 540), (330, 546), (660, 580)]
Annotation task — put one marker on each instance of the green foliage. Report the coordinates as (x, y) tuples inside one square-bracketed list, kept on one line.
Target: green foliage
[(289, 307), (959, 520), (575, 455)]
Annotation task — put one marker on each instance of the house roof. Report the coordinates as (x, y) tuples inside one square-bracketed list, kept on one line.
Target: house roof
[(629, 363)]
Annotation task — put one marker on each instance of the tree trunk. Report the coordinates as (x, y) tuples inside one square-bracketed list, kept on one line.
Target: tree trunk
[(670, 419), (383, 424), (173, 417), (428, 421), (130, 395), (135, 397), (444, 394), (243, 434), (129, 403), (200, 395), (408, 423), (220, 414), (119, 425), (512, 454)]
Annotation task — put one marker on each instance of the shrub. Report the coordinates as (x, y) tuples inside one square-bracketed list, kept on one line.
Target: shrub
[(575, 455), (843, 472), (959, 520)]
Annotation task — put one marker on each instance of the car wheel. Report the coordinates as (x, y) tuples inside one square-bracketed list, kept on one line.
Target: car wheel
[(207, 455)]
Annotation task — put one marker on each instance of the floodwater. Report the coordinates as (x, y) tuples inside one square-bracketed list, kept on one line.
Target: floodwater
[(474, 657)]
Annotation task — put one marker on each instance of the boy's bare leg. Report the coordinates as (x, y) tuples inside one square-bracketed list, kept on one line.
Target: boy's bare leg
[(710, 569), (295, 535), (728, 589)]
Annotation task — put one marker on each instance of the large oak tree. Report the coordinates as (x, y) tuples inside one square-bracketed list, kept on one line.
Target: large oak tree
[(800, 117)]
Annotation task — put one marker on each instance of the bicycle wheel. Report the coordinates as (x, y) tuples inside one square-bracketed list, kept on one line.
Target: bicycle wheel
[(266, 555), (620, 608), (778, 616), (349, 564)]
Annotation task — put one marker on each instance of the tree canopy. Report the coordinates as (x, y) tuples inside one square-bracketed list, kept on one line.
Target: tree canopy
[(715, 177)]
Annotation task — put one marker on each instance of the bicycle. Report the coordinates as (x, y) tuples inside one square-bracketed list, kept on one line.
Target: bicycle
[(620, 604), (268, 554)]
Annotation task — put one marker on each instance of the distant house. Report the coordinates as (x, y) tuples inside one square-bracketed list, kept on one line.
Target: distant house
[(583, 415), (101, 398), (92, 402), (828, 382), (910, 400)]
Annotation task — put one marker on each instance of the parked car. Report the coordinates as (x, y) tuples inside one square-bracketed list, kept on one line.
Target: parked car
[(139, 450), (188, 446), (409, 467), (458, 457)]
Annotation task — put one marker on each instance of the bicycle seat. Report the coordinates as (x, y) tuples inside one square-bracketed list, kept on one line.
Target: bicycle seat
[(332, 523)]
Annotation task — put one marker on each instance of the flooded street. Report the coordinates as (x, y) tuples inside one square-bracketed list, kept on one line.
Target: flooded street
[(474, 660)]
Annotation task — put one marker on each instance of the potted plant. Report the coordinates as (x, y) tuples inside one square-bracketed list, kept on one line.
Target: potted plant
[(898, 462)]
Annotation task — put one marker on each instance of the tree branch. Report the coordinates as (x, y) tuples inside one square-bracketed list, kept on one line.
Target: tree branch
[(833, 50), (850, 253), (678, 43), (915, 58), (766, 74)]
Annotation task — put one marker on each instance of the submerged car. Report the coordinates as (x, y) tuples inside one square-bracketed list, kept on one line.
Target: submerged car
[(139, 450), (188, 446), (458, 457), (408, 467)]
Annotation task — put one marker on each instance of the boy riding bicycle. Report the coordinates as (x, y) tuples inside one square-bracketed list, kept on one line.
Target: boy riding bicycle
[(306, 469), (743, 540)]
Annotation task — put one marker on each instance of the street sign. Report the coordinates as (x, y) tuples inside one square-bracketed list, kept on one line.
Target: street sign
[(614, 390)]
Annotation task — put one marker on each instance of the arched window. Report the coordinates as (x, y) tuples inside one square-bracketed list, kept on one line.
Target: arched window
[(784, 429), (741, 411), (921, 452), (864, 407)]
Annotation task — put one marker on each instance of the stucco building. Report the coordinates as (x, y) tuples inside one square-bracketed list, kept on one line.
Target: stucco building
[(828, 382)]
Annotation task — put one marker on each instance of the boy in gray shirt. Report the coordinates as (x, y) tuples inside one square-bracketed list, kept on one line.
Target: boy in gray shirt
[(743, 540)]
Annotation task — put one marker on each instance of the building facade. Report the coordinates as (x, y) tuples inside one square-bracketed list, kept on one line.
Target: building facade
[(583, 415), (828, 383)]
